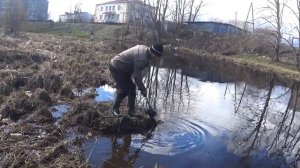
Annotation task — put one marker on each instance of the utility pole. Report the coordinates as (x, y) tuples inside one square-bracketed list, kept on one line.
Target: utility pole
[(235, 21), (252, 22)]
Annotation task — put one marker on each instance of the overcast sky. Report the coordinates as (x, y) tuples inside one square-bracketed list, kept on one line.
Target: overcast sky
[(224, 10)]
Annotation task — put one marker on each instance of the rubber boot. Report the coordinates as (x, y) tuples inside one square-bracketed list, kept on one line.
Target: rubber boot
[(131, 105), (116, 105)]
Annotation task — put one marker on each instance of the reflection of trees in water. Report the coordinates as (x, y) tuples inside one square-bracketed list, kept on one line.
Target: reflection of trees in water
[(271, 128), (272, 125), (163, 83), (121, 155)]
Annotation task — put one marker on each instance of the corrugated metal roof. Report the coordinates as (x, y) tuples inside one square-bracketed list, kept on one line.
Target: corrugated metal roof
[(211, 22)]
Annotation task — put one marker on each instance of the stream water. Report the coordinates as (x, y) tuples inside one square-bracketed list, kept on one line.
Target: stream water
[(212, 115)]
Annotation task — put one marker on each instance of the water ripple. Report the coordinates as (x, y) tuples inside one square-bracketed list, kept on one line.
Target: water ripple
[(176, 136)]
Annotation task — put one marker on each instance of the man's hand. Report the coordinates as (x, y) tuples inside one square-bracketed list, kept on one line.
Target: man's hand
[(144, 93)]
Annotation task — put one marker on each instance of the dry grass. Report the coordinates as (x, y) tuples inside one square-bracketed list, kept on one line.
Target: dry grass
[(40, 70)]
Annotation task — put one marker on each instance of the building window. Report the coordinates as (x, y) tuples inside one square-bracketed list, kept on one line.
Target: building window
[(100, 17), (109, 8), (118, 17), (101, 9), (106, 9), (119, 7), (105, 17), (113, 8)]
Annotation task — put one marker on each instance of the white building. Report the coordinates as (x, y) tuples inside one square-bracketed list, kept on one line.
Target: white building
[(123, 11)]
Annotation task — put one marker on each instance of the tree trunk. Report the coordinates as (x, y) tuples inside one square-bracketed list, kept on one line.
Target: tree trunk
[(197, 10), (163, 17), (278, 33), (191, 10), (276, 54), (298, 49)]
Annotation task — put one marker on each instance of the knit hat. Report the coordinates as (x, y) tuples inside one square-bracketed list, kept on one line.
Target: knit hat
[(157, 49)]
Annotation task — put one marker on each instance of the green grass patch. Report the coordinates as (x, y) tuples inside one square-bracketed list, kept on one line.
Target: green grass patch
[(266, 65), (261, 63)]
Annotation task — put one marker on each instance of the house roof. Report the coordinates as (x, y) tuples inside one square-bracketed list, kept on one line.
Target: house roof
[(211, 22), (70, 14), (113, 2)]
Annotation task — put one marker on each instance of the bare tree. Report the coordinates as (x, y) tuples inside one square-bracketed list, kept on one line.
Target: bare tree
[(179, 13), (155, 18), (275, 19), (296, 13), (138, 16), (182, 10), (179, 10), (15, 16), (143, 19), (164, 8), (194, 9), (77, 13)]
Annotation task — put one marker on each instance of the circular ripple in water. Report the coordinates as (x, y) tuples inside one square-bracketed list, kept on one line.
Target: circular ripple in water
[(176, 136)]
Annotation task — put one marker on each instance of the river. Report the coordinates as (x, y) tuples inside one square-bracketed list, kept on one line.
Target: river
[(211, 115)]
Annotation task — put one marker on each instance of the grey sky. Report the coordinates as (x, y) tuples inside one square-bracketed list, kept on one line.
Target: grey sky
[(221, 9), (224, 10)]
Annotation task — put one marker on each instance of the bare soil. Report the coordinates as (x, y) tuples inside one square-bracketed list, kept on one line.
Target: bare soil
[(39, 71)]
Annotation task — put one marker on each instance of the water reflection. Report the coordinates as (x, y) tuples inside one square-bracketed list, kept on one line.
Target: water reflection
[(214, 115), (120, 153), (111, 152), (105, 93), (59, 110), (175, 137), (274, 126), (264, 122)]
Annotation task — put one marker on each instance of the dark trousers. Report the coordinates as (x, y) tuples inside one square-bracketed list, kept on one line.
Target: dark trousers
[(125, 87)]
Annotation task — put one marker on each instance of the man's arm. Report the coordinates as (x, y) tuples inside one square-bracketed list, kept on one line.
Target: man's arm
[(138, 75)]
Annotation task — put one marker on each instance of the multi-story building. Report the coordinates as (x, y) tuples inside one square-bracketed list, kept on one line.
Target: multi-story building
[(123, 11), (37, 10), (1, 7)]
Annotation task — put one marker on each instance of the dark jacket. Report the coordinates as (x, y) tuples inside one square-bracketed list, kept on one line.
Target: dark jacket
[(133, 60)]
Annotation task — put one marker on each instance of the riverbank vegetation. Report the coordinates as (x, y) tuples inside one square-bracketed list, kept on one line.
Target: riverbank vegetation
[(42, 72)]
